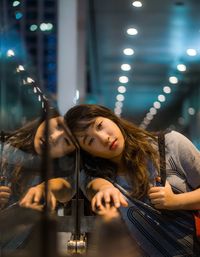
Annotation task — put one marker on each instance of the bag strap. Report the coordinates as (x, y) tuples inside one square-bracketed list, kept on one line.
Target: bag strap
[(161, 147)]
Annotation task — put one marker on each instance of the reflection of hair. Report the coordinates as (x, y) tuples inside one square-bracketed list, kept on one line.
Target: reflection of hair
[(23, 139), (138, 146)]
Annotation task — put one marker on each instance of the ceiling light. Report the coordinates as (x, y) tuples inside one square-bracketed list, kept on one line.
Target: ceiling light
[(181, 67), (137, 4), (191, 111), (20, 68), (167, 90), (132, 31), (153, 111), (149, 116), (191, 52), (125, 67), (157, 105), (10, 53), (120, 98), (16, 3), (128, 51), (123, 79), (173, 80), (118, 110), (119, 104), (33, 27), (121, 89), (161, 98), (18, 15)]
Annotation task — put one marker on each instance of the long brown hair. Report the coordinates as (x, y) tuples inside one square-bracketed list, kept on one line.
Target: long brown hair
[(138, 149)]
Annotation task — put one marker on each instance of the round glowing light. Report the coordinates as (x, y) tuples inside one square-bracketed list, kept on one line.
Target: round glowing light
[(49, 26), (157, 105), (30, 80), (118, 110), (167, 90), (153, 111), (137, 4), (16, 3), (128, 51), (123, 79), (33, 27), (119, 104), (191, 111), (149, 116), (43, 26), (181, 67), (20, 68), (120, 97), (10, 53), (181, 121), (161, 98), (132, 31), (173, 80), (18, 15), (191, 52), (125, 67), (121, 89)]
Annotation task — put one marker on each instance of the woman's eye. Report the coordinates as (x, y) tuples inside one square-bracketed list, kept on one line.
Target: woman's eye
[(67, 141), (99, 126), (90, 141)]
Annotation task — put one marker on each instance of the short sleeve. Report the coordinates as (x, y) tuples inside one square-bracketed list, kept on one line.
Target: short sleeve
[(187, 157)]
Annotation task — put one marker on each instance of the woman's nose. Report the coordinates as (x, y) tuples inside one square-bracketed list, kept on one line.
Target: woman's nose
[(55, 136), (104, 138)]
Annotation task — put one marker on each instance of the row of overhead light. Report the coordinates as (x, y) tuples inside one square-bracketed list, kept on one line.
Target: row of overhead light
[(173, 80), (125, 67)]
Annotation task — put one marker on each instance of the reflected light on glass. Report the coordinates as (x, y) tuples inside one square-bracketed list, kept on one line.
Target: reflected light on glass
[(120, 97), (125, 67), (191, 111), (123, 79), (137, 4), (119, 104), (161, 98), (181, 67), (33, 27), (132, 31), (121, 89), (191, 52), (167, 90), (18, 15), (20, 68), (10, 53), (16, 3), (157, 105), (173, 80), (128, 51)]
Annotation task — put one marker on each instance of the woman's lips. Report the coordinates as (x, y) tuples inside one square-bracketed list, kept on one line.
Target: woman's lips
[(113, 145)]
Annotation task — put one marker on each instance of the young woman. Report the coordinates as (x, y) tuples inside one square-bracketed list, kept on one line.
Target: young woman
[(20, 164), (121, 173)]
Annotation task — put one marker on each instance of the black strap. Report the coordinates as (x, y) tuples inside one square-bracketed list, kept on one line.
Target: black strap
[(161, 146)]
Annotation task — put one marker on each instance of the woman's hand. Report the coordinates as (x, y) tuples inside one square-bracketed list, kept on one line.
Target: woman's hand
[(34, 197), (163, 197), (5, 193), (108, 198)]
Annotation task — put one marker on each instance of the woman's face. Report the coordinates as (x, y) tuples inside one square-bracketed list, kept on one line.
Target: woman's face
[(103, 139), (59, 143)]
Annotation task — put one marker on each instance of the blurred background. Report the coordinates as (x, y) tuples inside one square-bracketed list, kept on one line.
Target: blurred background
[(139, 58)]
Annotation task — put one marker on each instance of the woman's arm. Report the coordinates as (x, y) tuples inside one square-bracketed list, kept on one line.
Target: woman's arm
[(187, 159)]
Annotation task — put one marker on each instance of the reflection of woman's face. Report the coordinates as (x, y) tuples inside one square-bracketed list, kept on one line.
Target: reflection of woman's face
[(103, 139), (59, 143)]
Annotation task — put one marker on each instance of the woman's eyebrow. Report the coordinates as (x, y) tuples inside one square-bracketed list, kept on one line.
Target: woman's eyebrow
[(84, 138)]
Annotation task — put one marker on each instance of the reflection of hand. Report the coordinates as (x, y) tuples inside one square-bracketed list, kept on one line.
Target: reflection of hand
[(163, 197), (107, 198), (35, 195), (5, 193)]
